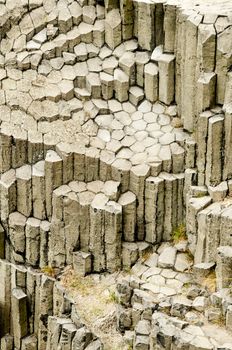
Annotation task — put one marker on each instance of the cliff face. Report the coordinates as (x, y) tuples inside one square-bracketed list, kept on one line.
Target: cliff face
[(116, 154)]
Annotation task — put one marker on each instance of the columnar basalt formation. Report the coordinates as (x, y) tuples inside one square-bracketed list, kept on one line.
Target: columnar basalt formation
[(115, 139)]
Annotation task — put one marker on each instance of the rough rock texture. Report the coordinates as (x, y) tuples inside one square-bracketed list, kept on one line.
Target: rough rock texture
[(115, 154)]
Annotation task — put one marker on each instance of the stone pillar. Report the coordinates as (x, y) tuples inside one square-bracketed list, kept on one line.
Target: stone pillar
[(223, 62), (113, 30), (154, 209), (19, 148), (33, 242), (24, 190), (138, 175), (7, 342), (45, 309), (113, 236), (85, 199), (71, 225), (38, 190), (53, 177), (193, 207), (146, 25), (166, 64), (7, 194), (201, 136), (213, 173), (126, 9), (224, 267), (17, 223), (205, 91), (44, 237), (97, 231), (227, 168), (169, 27), (19, 316), (64, 150), (121, 85), (5, 297), (151, 82), (128, 202), (170, 208), (5, 149)]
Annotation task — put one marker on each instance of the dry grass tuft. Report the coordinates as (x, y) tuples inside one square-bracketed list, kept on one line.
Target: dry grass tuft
[(209, 282), (179, 234)]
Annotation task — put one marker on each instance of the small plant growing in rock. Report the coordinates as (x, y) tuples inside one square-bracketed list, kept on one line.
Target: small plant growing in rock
[(48, 270), (179, 234), (113, 298)]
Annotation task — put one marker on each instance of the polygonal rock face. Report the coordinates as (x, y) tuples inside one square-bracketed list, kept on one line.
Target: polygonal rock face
[(115, 129)]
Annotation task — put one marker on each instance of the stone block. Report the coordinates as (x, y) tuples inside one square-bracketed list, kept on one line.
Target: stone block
[(82, 263), (213, 172), (151, 90), (113, 30), (32, 241), (53, 177), (154, 209), (8, 194), (128, 202), (224, 267), (19, 316), (129, 254), (7, 342), (24, 190), (121, 85)]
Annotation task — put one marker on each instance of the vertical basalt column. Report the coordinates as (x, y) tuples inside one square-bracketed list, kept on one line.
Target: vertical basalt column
[(159, 22), (138, 175), (85, 199), (53, 177), (170, 207), (223, 61), (35, 147), (113, 236), (38, 190), (97, 232), (33, 242), (224, 267), (188, 71), (19, 148), (205, 92), (32, 291), (5, 149), (169, 27), (151, 82), (92, 164), (64, 150), (213, 172), (71, 225), (19, 316), (24, 190), (45, 309), (56, 244), (7, 194), (146, 25), (227, 168), (128, 202), (154, 209), (5, 297), (202, 134), (17, 224), (126, 9), (79, 163), (44, 238), (113, 29)]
